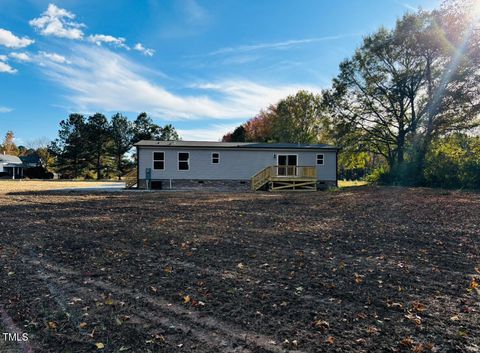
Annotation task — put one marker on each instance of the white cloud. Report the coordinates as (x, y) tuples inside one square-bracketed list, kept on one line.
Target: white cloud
[(5, 109), (214, 132), (275, 45), (58, 22), (21, 56), (99, 39), (3, 58), (10, 40), (99, 79), (143, 50), (54, 57), (4, 67)]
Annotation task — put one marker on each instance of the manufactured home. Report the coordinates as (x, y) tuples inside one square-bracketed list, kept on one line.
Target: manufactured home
[(257, 166), (11, 166)]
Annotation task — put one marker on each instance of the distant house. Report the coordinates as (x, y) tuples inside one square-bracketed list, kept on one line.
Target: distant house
[(277, 166), (11, 166), (31, 161)]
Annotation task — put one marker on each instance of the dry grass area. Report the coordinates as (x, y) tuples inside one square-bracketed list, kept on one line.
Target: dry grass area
[(8, 185), (350, 183), (357, 270)]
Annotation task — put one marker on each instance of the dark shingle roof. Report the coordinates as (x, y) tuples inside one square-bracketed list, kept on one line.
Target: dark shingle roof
[(6, 158), (30, 159), (235, 145)]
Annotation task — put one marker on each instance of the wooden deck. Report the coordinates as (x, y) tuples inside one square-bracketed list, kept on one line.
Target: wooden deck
[(285, 178)]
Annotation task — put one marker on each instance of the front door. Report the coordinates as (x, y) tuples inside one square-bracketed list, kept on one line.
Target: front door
[(287, 165)]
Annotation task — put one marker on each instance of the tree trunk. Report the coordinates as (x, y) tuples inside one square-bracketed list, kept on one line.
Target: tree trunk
[(99, 170)]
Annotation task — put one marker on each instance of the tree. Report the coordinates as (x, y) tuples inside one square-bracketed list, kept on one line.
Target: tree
[(298, 118), (69, 148), (97, 138), (168, 133), (260, 128), (454, 161), (121, 133), (8, 146), (402, 89), (145, 129)]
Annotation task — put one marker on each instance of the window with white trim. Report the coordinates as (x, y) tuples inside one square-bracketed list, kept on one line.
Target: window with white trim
[(159, 160), (320, 159), (183, 161), (215, 158)]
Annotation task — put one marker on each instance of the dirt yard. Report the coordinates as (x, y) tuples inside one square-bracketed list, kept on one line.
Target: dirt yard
[(358, 270)]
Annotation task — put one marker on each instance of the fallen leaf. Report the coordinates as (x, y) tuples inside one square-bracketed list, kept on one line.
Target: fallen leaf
[(330, 340), (83, 325), (407, 342), (418, 306), (168, 269), (52, 325), (241, 266), (186, 299), (99, 345), (358, 278), (322, 325)]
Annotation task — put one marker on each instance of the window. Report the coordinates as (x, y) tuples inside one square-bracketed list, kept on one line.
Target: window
[(319, 159), (159, 160), (183, 161), (215, 158)]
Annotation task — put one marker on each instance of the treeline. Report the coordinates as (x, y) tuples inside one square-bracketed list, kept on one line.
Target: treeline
[(95, 147), (401, 108)]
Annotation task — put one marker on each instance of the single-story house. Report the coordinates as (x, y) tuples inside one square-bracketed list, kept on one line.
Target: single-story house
[(274, 166), (11, 166), (31, 161)]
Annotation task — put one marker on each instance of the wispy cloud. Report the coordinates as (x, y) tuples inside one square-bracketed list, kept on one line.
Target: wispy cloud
[(126, 86), (145, 51), (5, 109), (5, 68), (213, 132), (99, 39), (276, 45), (54, 57), (406, 5), (193, 11), (58, 22), (21, 56), (10, 40)]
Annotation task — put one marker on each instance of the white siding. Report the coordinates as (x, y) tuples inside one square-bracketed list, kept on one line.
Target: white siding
[(234, 164)]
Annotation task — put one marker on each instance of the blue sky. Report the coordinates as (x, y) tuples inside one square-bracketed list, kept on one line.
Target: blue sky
[(203, 65)]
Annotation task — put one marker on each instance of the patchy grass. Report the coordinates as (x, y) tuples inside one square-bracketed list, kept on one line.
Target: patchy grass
[(351, 183), (360, 270)]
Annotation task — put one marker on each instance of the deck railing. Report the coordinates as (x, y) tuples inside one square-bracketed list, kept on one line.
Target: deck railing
[(130, 178), (282, 171)]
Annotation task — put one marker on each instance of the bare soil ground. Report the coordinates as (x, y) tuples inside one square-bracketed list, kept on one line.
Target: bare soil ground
[(359, 270)]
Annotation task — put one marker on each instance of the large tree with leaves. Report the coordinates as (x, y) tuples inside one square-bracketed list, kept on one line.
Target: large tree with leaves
[(403, 88)]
